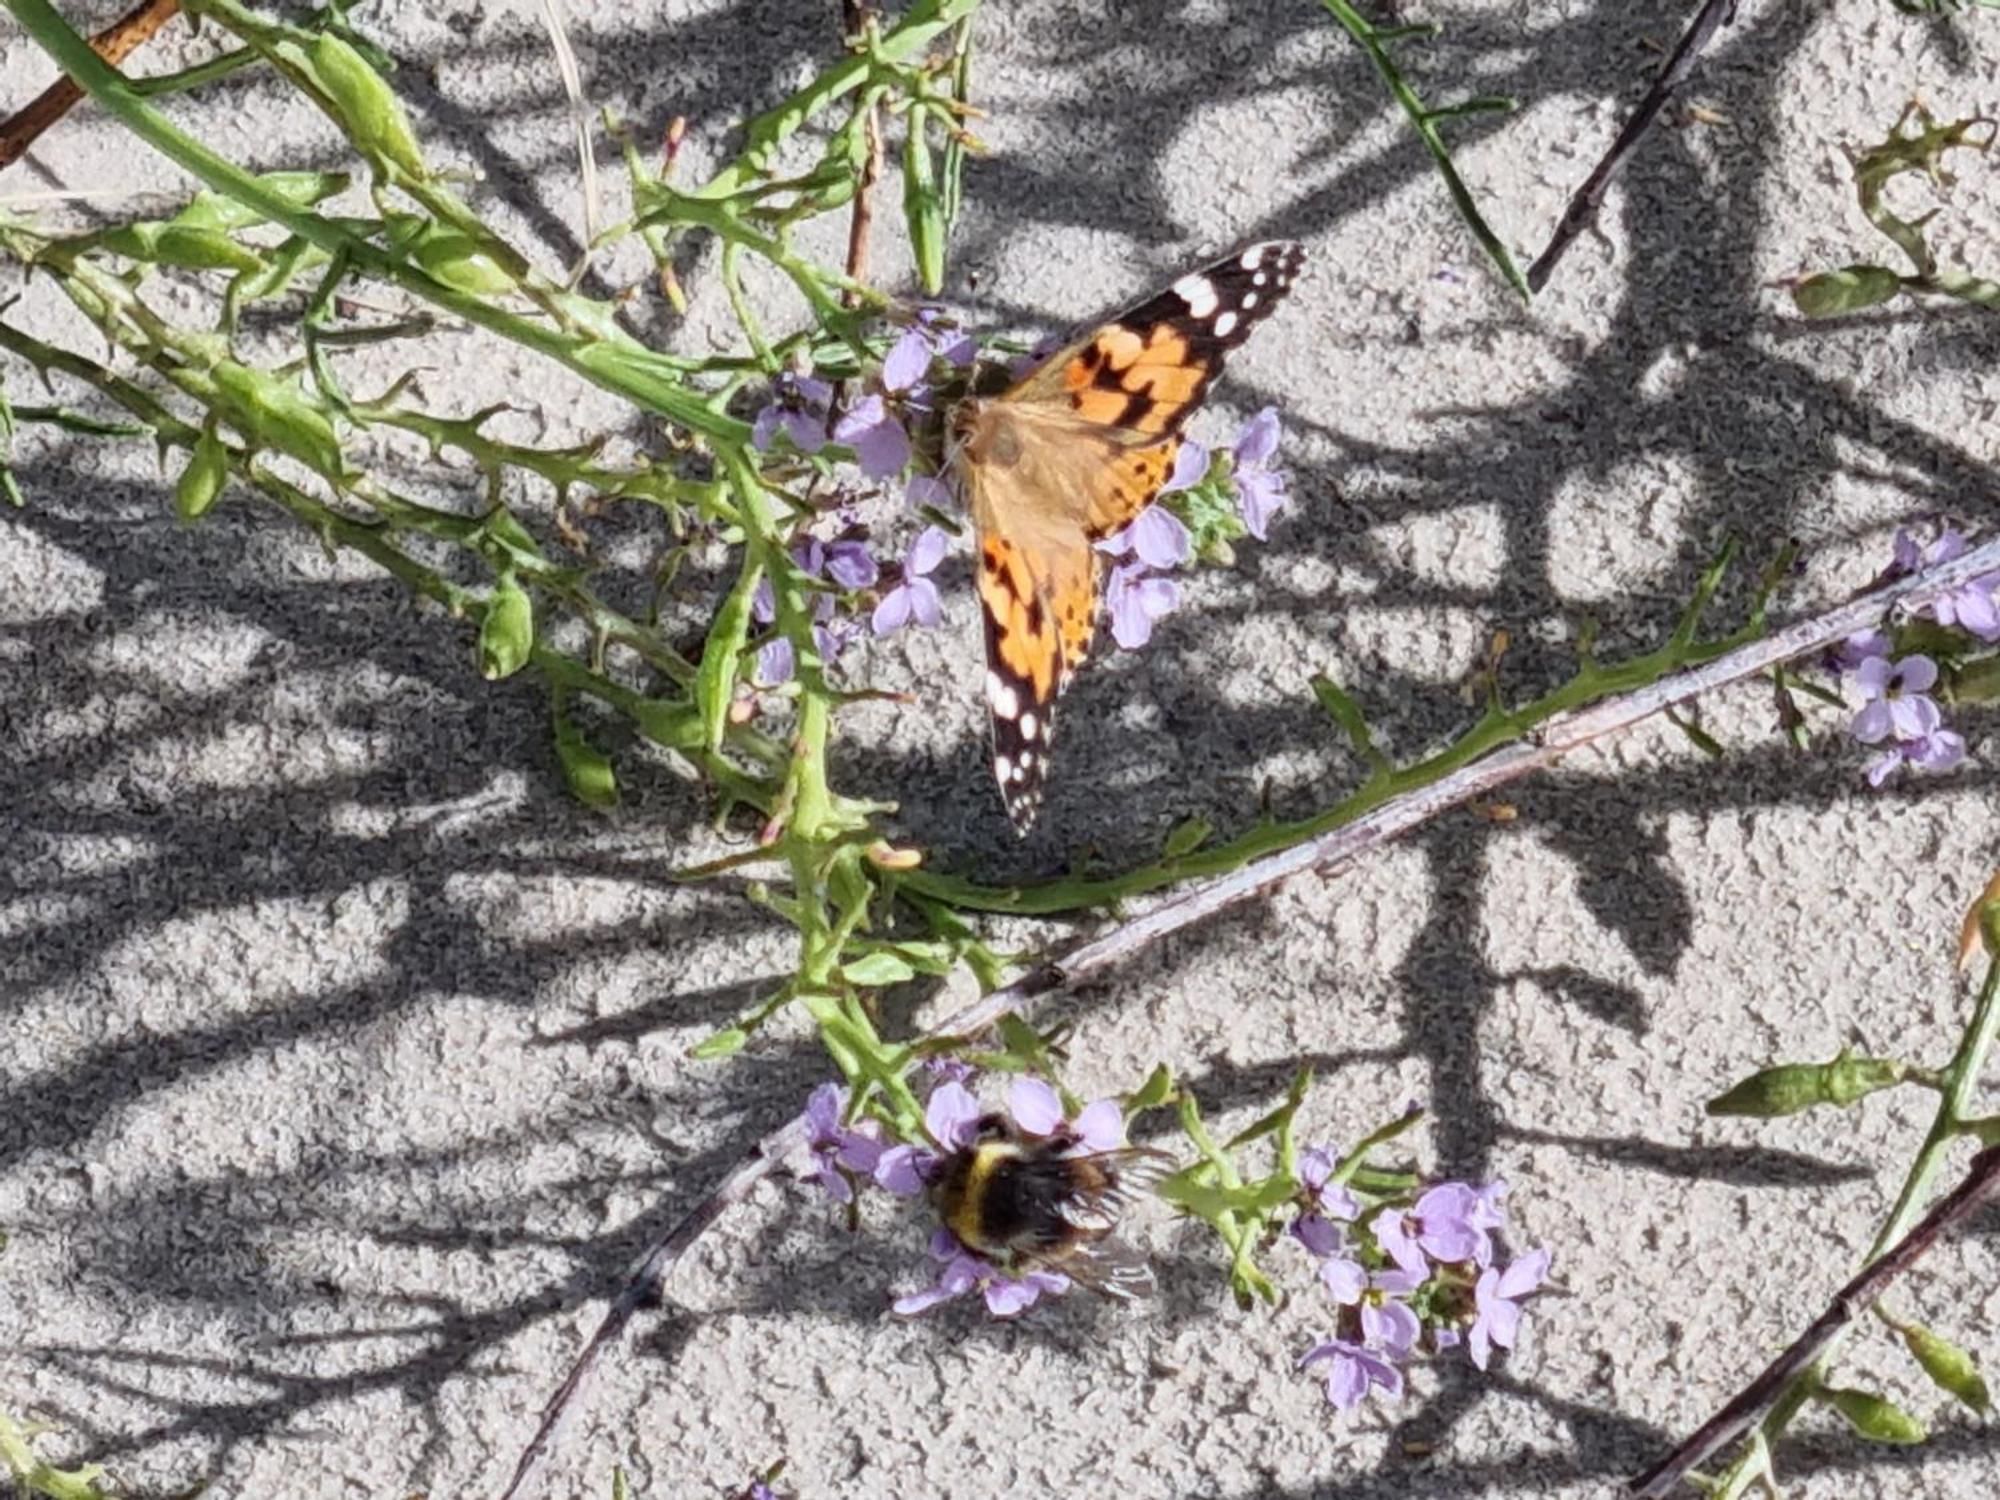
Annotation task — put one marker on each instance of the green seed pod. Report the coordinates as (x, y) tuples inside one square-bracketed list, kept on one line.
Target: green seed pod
[(454, 258), (1792, 1087), (1875, 1417), (923, 205), (507, 633), (724, 1043), (1950, 1368), (203, 478), (191, 249), (715, 681), (1830, 293), (365, 106), (272, 413)]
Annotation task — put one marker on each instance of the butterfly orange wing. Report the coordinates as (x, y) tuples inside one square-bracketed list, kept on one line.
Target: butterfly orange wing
[(1072, 453)]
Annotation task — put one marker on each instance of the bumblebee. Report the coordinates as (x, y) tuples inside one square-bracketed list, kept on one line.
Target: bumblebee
[(1039, 1203)]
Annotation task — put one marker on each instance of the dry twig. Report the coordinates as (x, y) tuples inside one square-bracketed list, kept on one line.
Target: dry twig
[(114, 44)]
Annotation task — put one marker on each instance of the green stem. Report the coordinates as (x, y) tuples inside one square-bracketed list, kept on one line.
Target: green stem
[(1952, 1121), (1424, 121), (605, 356)]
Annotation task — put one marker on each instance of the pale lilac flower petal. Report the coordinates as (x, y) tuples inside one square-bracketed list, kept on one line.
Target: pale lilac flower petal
[(1259, 438), (1525, 1274), (1136, 602), (852, 565), (903, 1170), (907, 360), (1873, 675), (1318, 1235), (1159, 538), (776, 662), (1190, 468), (1035, 1106), (1345, 1280), (1916, 674), (927, 489), (1399, 1243), (1873, 723), (880, 445), (1391, 1327), (1260, 494), (1101, 1126), (927, 551), (1938, 751), (951, 1115), (893, 612)]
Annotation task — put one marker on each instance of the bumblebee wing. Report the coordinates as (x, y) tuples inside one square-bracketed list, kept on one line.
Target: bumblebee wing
[(1111, 1269), (1106, 1183)]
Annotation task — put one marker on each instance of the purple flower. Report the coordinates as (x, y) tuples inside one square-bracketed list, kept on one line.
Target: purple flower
[(1386, 1323), (1006, 1296), (1857, 648), (776, 662), (1137, 601), (949, 342), (1354, 1371), (836, 1149), (1450, 1224), (1037, 1108), (1895, 700), (797, 409), (1155, 537), (951, 1118), (1190, 467), (908, 361), (848, 563), (915, 597), (924, 489), (1260, 489), (1497, 1301), (948, 1069), (880, 445), (1316, 1165)]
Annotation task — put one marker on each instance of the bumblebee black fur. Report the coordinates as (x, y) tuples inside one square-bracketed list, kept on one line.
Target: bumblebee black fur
[(1038, 1203)]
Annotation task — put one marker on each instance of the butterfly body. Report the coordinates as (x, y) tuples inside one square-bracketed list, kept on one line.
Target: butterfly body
[(1070, 454)]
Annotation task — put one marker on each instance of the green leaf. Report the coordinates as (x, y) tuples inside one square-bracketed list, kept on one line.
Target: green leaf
[(1826, 294), (1187, 837), (725, 1043), (363, 104), (1152, 1094), (507, 631), (1874, 1417), (715, 682), (202, 480), (1345, 712), (1951, 1369), (209, 210), (1791, 1087), (878, 969)]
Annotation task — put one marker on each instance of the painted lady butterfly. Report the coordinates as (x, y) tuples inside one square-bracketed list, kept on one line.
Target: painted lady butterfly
[(1068, 455)]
